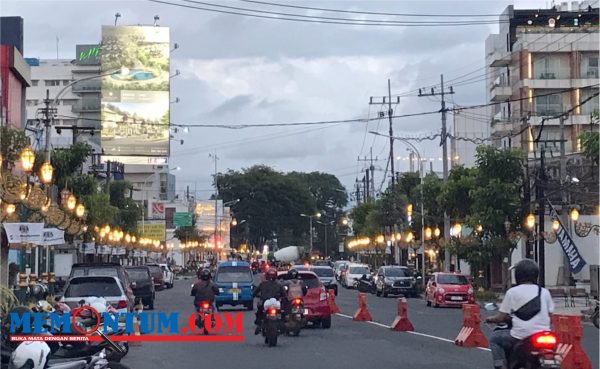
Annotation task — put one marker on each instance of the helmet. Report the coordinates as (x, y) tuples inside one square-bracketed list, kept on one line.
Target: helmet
[(99, 306), (526, 270), (32, 354), (204, 274), (271, 274), (39, 291), (43, 306), (292, 274)]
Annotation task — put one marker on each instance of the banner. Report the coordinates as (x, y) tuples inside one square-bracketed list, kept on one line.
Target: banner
[(88, 248), (152, 229), (576, 261), (135, 91), (53, 236), (24, 232), (106, 250)]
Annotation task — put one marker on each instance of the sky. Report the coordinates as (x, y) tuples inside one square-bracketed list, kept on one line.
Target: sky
[(243, 70)]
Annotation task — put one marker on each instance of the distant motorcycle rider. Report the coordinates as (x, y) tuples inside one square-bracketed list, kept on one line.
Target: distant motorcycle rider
[(204, 289), (267, 289), (296, 288)]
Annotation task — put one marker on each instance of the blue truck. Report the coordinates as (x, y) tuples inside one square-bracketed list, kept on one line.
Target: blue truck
[(234, 279)]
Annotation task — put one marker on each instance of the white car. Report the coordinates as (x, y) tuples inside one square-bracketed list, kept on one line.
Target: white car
[(168, 274), (84, 288), (354, 271)]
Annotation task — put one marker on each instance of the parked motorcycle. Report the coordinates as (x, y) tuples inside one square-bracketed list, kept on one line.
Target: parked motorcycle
[(294, 319), (271, 321), (365, 284), (534, 352)]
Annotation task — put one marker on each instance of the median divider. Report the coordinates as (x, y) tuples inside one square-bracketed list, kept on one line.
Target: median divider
[(362, 313), (470, 334), (569, 330), (402, 323), (331, 302)]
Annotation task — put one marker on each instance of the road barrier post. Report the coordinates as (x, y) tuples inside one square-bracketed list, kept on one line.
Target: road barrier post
[(569, 330), (362, 313), (402, 323), (470, 334)]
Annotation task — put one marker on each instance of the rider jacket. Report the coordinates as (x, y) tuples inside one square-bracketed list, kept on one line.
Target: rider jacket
[(204, 291), (295, 289), (269, 289)]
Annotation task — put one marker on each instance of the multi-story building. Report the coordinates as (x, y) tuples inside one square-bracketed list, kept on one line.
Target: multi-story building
[(14, 72), (541, 64), (150, 183), (470, 128)]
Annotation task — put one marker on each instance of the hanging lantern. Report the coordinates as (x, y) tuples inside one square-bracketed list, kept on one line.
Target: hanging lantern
[(127, 238), (409, 237), (46, 172), (10, 209), (479, 228), (437, 232), (530, 221), (555, 225), (107, 229), (574, 215), (71, 202), (27, 159), (427, 233), (80, 211), (456, 229)]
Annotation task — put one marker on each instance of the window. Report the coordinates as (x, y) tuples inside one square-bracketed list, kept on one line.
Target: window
[(66, 82), (34, 82), (228, 274), (452, 279), (52, 82), (589, 66), (551, 66), (93, 287), (590, 106), (32, 102), (69, 102), (546, 104)]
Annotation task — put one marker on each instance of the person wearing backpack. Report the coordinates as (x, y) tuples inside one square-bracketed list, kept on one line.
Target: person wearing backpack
[(526, 306)]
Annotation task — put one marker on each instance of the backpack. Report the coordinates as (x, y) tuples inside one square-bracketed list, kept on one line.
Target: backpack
[(295, 290)]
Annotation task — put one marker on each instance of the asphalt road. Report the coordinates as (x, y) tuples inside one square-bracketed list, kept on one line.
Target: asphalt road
[(346, 345)]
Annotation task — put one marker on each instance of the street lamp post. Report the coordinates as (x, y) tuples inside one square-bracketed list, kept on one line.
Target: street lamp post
[(326, 224), (310, 220)]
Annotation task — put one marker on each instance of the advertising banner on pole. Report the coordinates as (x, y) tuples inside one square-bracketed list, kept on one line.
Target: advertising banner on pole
[(135, 91)]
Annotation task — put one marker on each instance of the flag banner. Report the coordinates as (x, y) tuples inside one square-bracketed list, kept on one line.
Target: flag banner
[(576, 261)]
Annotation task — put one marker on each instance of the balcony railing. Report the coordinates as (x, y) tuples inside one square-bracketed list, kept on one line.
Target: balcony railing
[(86, 106), (87, 86)]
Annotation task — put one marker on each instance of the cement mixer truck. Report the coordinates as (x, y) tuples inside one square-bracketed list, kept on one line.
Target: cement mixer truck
[(288, 254)]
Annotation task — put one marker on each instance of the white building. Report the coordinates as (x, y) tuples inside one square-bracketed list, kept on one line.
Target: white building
[(471, 128)]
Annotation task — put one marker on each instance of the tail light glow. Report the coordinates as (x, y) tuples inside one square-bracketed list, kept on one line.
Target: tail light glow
[(272, 312), (122, 304), (544, 340), (205, 305), (297, 302)]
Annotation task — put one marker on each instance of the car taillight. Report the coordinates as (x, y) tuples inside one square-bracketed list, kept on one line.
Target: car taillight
[(205, 305), (544, 340), (272, 312), (297, 302), (122, 304)]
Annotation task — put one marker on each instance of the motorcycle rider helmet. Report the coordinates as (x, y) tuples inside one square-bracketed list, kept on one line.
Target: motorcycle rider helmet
[(30, 354), (39, 291), (99, 306), (204, 274), (43, 306), (292, 274), (526, 271), (271, 274)]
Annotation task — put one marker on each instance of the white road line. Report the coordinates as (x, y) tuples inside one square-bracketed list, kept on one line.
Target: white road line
[(415, 333)]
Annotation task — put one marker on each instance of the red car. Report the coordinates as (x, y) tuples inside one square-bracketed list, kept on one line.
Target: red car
[(315, 301), (449, 289)]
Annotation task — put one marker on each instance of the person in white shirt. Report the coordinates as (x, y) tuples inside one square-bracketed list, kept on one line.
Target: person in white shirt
[(526, 290)]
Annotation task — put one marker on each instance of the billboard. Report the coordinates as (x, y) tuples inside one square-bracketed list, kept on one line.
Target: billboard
[(152, 229), (135, 91)]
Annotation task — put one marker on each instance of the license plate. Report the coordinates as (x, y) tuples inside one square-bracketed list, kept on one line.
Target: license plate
[(456, 298), (234, 290), (305, 311)]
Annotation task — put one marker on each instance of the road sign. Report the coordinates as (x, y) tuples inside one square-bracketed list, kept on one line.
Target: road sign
[(182, 219)]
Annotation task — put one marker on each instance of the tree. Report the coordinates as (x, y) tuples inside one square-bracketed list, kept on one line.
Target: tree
[(591, 145), (12, 141)]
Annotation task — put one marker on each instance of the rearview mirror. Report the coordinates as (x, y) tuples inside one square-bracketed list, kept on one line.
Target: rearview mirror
[(490, 306)]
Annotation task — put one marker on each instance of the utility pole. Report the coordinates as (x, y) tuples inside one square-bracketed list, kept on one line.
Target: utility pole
[(541, 213), (370, 178), (47, 113), (443, 93), (390, 114), (563, 176), (215, 158)]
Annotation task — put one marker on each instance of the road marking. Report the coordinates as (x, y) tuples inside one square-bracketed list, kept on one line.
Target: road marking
[(415, 333)]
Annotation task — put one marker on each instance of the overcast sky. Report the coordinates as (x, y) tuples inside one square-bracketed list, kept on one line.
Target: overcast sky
[(238, 70)]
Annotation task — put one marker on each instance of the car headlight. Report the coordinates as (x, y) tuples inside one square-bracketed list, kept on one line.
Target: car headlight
[(441, 290)]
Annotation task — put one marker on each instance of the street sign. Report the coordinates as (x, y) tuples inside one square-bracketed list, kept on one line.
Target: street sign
[(182, 219)]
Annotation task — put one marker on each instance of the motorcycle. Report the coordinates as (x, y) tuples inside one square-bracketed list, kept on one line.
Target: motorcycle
[(271, 321), (294, 320), (204, 310), (534, 352), (594, 314), (365, 284)]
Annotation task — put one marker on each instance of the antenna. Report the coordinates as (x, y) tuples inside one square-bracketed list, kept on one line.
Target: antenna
[(156, 19), (117, 16)]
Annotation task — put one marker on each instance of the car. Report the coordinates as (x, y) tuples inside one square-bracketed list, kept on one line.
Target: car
[(325, 274), (108, 287), (144, 284), (157, 275), (316, 306), (234, 279), (168, 274), (395, 280), (338, 267), (322, 263), (352, 273), (449, 289), (105, 269)]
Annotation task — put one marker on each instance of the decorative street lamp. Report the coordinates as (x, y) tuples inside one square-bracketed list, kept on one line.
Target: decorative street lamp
[(71, 202), (80, 210), (27, 159), (530, 221), (574, 214), (46, 172)]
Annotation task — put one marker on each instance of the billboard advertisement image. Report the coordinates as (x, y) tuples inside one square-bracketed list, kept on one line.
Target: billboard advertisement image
[(135, 91)]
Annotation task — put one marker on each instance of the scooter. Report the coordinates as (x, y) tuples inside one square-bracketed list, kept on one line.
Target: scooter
[(271, 322), (294, 320), (534, 352)]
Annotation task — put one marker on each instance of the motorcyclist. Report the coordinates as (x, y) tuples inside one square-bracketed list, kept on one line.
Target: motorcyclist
[(204, 289), (269, 288), (513, 306)]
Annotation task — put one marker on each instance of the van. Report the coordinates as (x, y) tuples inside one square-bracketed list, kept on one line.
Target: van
[(234, 279)]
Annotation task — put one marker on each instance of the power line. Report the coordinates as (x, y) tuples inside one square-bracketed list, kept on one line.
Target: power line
[(366, 12), (314, 19)]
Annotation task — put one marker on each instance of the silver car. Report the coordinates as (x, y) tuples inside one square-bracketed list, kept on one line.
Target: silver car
[(110, 288)]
